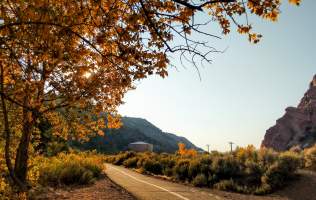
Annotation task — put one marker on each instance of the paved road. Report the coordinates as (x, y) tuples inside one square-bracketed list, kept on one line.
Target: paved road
[(149, 188)]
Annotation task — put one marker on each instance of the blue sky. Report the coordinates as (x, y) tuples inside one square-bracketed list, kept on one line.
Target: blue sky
[(242, 92)]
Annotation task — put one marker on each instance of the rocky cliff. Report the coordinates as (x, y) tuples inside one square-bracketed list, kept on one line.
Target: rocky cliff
[(298, 125)]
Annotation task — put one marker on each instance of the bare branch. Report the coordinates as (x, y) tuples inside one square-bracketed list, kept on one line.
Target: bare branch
[(200, 7)]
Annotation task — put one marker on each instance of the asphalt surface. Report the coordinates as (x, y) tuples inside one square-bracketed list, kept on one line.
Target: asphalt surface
[(150, 188)]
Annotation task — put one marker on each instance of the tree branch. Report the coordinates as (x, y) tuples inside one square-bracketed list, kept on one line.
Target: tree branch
[(200, 7)]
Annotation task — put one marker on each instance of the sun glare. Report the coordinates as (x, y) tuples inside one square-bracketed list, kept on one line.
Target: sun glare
[(87, 74)]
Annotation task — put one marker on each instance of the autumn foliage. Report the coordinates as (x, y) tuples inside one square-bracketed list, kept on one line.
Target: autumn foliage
[(186, 152), (68, 63)]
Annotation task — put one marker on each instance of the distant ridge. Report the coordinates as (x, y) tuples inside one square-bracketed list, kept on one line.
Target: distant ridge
[(133, 130)]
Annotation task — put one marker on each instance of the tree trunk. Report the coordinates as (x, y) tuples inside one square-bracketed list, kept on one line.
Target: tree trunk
[(7, 133), (15, 179), (21, 160)]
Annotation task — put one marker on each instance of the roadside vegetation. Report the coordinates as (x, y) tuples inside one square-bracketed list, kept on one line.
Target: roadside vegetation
[(63, 169), (310, 158), (70, 169), (245, 170)]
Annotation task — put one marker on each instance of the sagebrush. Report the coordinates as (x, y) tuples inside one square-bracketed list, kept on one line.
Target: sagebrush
[(245, 170)]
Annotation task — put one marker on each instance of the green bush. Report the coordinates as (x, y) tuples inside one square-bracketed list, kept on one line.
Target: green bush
[(167, 162), (181, 169), (282, 170), (72, 173), (252, 173), (152, 167), (194, 169), (206, 165), (226, 167), (200, 180), (131, 162)]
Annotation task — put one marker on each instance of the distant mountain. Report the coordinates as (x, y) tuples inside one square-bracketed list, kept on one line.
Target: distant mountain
[(298, 125), (133, 130)]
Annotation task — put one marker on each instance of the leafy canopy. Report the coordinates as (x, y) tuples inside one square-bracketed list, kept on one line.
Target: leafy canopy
[(67, 62), (70, 53)]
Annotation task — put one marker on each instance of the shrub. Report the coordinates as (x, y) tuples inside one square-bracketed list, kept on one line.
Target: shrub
[(140, 161), (68, 169), (6, 191), (183, 151), (72, 173), (167, 162), (267, 157), (200, 180), (141, 170), (282, 170), (225, 185), (205, 164), (110, 159), (274, 176), (167, 171), (152, 166), (246, 170), (310, 158), (263, 189), (290, 162), (194, 169), (120, 158), (225, 167), (131, 162), (252, 173), (247, 153), (180, 170), (56, 147)]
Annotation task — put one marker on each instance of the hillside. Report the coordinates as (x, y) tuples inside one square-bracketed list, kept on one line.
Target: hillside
[(135, 129), (298, 125)]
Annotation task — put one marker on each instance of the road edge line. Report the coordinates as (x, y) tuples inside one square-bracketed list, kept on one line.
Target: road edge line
[(159, 187)]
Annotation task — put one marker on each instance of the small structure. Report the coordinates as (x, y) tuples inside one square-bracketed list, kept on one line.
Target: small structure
[(140, 147)]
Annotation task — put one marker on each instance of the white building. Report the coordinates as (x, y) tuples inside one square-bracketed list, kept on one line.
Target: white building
[(140, 146)]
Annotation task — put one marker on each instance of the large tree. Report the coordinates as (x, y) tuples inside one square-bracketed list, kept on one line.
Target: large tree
[(76, 55)]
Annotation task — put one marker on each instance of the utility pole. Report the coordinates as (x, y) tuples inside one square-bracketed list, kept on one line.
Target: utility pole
[(208, 148), (231, 146)]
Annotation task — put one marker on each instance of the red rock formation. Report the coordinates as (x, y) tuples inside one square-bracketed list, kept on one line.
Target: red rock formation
[(298, 125)]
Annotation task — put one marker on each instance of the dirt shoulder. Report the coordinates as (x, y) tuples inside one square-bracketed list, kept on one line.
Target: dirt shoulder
[(103, 189), (302, 189)]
